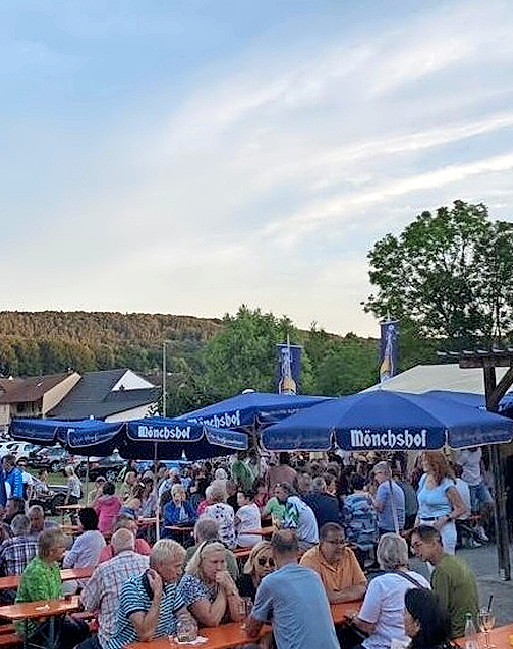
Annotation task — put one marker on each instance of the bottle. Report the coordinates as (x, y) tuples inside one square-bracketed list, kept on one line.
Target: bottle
[(470, 633)]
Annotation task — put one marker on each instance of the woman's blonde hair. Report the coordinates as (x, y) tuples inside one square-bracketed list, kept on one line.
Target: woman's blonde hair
[(217, 492), (203, 551), (256, 551), (177, 488)]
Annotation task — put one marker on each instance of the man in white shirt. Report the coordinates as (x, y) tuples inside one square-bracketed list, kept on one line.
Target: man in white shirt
[(298, 516)]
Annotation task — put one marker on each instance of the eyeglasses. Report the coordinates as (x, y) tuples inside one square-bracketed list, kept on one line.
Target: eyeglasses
[(262, 561)]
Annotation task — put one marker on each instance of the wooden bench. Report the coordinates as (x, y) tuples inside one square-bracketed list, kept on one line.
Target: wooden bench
[(10, 640)]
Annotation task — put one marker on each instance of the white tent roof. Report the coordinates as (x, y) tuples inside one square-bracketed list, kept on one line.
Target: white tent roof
[(438, 377)]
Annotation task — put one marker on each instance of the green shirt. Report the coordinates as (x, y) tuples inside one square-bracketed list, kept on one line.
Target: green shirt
[(39, 582), (454, 583), (242, 475), (275, 507)]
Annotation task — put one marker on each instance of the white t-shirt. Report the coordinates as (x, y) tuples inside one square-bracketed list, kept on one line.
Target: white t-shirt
[(464, 491), (248, 518), (383, 606), (470, 462)]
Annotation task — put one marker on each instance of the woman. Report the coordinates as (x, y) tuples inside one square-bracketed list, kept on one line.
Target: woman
[(86, 549), (247, 518), (426, 621), (207, 588), (261, 494), (149, 499), (73, 491), (381, 614), (360, 518), (132, 504), (97, 492), (440, 503), (259, 564), (41, 581), (107, 507), (222, 512), (129, 482), (177, 511)]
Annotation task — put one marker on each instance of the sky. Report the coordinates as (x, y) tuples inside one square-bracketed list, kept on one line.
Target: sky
[(190, 156)]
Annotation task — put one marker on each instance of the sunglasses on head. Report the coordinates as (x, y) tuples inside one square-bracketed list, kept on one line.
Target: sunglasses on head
[(262, 561)]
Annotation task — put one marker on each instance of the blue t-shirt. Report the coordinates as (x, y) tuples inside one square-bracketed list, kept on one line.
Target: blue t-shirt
[(434, 502), (386, 515), (294, 599), (135, 597)]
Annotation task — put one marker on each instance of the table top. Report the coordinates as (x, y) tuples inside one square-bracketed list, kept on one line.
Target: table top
[(147, 521), (70, 506), (339, 611), (12, 581), (180, 528), (263, 531), (220, 637), (46, 608), (242, 553), (498, 636)]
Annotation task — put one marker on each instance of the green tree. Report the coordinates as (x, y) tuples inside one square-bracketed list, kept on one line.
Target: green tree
[(446, 276), (243, 355)]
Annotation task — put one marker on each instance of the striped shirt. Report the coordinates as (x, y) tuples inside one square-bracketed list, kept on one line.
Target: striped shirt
[(102, 591), (135, 597)]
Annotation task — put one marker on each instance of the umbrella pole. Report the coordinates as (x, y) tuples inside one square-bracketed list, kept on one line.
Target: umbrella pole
[(157, 499), (87, 482)]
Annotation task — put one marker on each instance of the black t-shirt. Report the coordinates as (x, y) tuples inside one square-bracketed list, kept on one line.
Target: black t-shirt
[(246, 586), (326, 508)]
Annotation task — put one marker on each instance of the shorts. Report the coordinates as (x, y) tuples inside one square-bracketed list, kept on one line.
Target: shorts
[(479, 496)]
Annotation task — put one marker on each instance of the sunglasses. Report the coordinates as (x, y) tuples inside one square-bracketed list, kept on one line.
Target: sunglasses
[(263, 561)]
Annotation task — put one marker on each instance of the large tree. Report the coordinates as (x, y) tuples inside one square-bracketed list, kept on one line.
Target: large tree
[(447, 275)]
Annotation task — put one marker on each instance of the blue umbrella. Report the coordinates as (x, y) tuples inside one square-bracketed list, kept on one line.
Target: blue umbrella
[(251, 409), (387, 420), (471, 398)]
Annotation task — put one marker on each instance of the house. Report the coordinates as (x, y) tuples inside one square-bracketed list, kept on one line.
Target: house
[(109, 395), (33, 397)]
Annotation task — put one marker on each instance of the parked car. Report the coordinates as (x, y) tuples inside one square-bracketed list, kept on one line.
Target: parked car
[(20, 450), (53, 458), (107, 467)]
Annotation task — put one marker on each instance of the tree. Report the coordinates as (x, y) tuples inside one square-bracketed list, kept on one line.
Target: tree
[(243, 355), (447, 276), (349, 366)]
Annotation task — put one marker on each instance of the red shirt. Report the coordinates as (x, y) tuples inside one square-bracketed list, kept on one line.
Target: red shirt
[(141, 547)]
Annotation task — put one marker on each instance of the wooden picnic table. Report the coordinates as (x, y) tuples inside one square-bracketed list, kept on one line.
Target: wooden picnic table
[(77, 506), (500, 637), (30, 610), (262, 531), (147, 521), (12, 581), (242, 553)]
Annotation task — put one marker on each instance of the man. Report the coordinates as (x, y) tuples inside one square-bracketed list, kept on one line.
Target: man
[(27, 481), (294, 600), (241, 473), (281, 472), (16, 553), (102, 591), (15, 505), (388, 500), (452, 580), (125, 521), (298, 516), (38, 522), (326, 508), (207, 529), (13, 481), (150, 604), (336, 565), (480, 499)]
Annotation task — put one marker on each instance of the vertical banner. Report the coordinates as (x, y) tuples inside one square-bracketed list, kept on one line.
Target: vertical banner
[(389, 350), (289, 368)]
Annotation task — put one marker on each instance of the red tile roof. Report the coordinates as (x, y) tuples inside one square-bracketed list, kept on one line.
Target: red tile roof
[(32, 388)]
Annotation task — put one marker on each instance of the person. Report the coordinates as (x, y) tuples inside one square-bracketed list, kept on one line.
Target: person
[(381, 613), (336, 565), (101, 593), (241, 474), (38, 522), (207, 587), (281, 472), (440, 504), (107, 507), (294, 600), (388, 500), (452, 580), (299, 517), (129, 482), (150, 603), (326, 508), (222, 512), (133, 503), (97, 491), (85, 551), (177, 511), (260, 563), (480, 499), (42, 493), (247, 518), (12, 475), (124, 521), (149, 499), (15, 505), (17, 552), (207, 529), (360, 518), (411, 505), (41, 581), (261, 495), (73, 491), (275, 508), (426, 620), (27, 481)]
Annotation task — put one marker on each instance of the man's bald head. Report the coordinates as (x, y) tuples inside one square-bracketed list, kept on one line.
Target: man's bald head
[(122, 540)]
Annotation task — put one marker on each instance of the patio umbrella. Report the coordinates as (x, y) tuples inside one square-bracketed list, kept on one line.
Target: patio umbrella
[(386, 420), (251, 409)]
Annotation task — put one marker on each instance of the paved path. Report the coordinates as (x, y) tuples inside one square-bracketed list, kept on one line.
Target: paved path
[(483, 561)]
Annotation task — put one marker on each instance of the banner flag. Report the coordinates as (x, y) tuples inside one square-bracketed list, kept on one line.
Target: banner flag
[(389, 350), (289, 368)]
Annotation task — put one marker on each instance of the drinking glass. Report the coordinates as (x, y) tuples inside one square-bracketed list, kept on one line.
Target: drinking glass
[(246, 606), (186, 630), (486, 624)]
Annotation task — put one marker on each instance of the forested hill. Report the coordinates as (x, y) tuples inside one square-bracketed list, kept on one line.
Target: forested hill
[(53, 341)]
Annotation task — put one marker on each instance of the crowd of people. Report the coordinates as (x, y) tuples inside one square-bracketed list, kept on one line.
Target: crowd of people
[(341, 526)]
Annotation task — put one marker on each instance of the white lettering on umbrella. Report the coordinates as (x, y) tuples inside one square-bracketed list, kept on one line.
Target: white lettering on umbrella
[(163, 432), (389, 439)]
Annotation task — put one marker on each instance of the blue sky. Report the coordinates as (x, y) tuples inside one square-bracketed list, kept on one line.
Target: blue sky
[(188, 156)]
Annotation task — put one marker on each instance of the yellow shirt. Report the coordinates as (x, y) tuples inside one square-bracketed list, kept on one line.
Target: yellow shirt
[(343, 574)]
